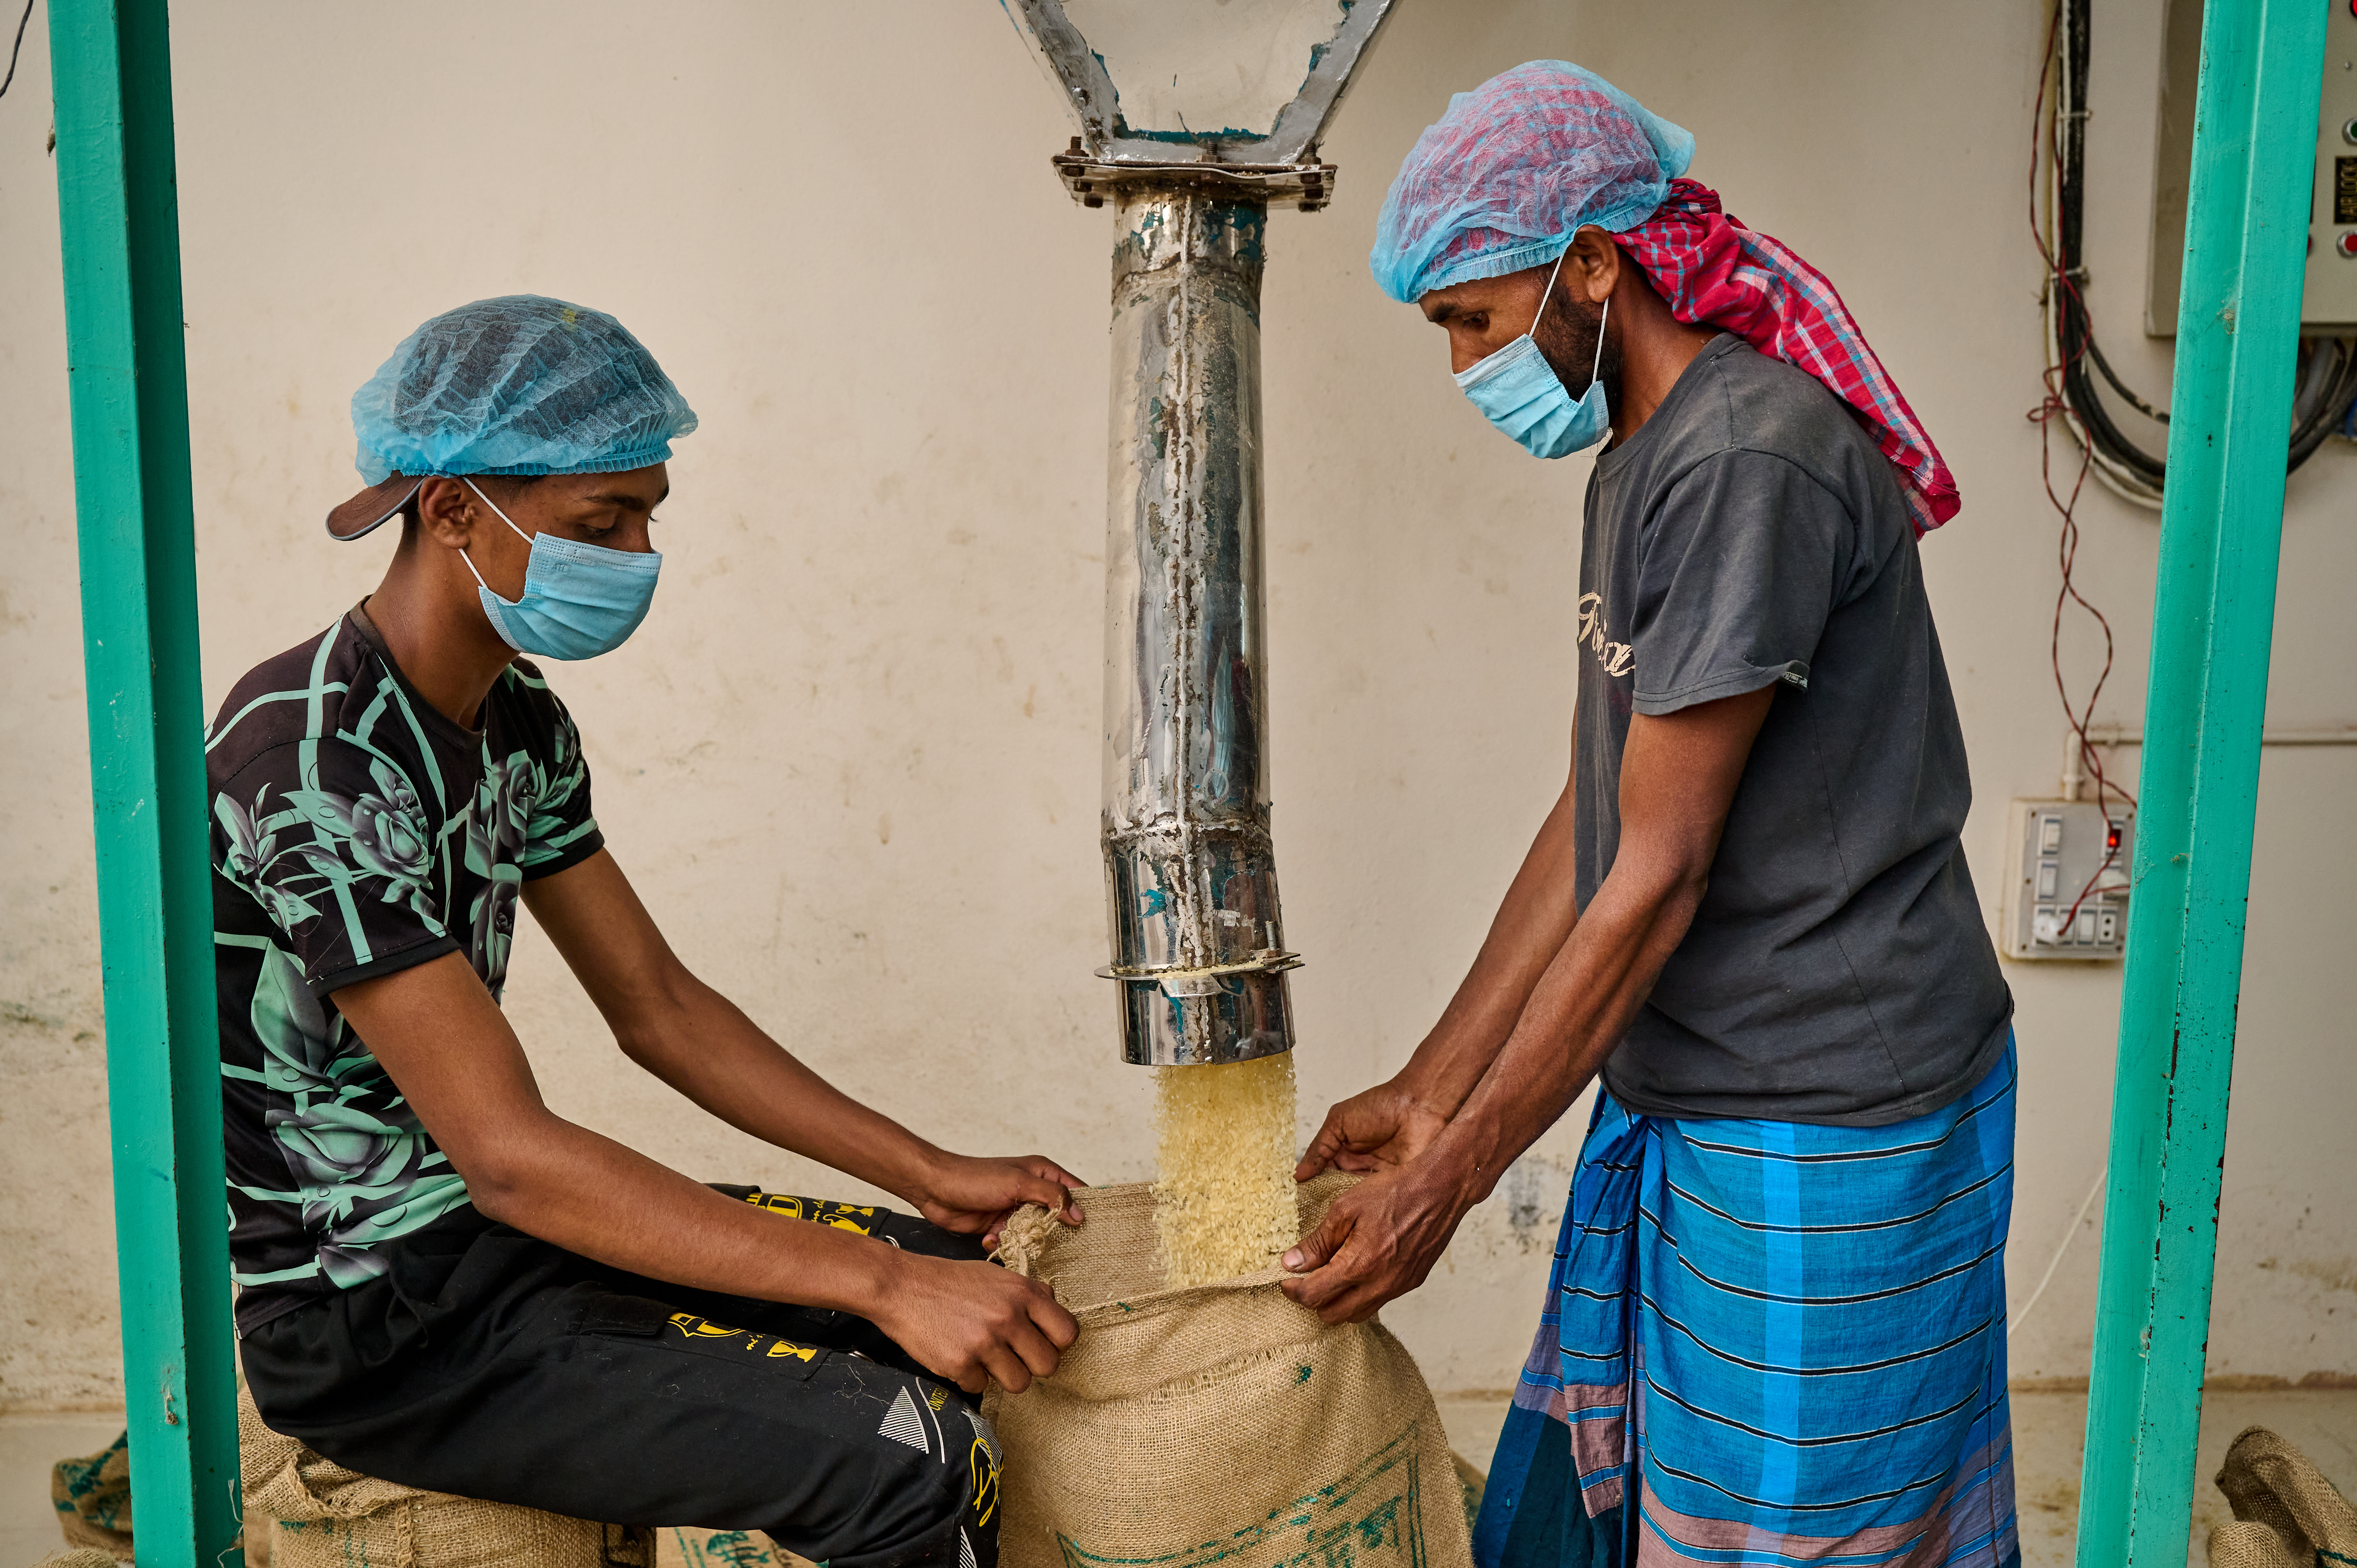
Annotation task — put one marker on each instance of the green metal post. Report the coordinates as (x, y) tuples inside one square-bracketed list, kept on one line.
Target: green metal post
[(2213, 614), (111, 61)]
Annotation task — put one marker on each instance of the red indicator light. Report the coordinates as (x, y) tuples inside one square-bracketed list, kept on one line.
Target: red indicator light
[(2347, 244)]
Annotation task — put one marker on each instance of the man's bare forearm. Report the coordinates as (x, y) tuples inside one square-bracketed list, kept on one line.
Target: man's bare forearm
[(444, 1042), (702, 1045), (706, 1048), (1678, 775), (584, 1192), (1534, 919), (1576, 1015)]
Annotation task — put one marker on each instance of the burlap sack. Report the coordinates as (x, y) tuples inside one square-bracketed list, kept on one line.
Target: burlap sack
[(328, 1516), (685, 1548), (2250, 1545), (2286, 1514), (1190, 1426), (92, 1495)]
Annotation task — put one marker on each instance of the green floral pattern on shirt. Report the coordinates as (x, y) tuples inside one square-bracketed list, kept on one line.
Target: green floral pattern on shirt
[(342, 849)]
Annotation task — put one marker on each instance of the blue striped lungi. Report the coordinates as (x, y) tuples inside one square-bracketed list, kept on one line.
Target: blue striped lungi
[(1772, 1343)]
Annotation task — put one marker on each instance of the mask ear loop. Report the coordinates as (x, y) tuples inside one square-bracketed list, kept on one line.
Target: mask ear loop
[(503, 517), (1534, 333), (1594, 369)]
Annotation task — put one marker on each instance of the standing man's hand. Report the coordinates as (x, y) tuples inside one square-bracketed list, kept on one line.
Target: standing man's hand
[(1379, 1239), (974, 1197), (973, 1324), (1377, 1129)]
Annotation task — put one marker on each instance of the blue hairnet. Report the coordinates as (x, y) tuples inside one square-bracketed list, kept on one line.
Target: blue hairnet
[(1514, 170), (517, 385)]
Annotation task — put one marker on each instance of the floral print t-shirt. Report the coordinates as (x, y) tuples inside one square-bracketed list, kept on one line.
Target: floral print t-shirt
[(357, 831)]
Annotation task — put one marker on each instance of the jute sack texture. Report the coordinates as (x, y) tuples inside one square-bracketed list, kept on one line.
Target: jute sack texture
[(2286, 1515), (328, 1516), (1191, 1426)]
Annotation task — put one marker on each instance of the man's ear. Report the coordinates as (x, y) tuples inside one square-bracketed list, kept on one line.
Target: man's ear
[(1593, 264), (446, 514)]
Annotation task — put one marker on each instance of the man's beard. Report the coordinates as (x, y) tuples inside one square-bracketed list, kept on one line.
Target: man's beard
[(1566, 337)]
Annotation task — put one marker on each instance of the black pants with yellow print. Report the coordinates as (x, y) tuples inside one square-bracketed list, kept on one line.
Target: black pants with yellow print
[(487, 1363)]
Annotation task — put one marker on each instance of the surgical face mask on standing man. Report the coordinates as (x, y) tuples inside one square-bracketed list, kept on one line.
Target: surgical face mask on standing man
[(1523, 396), (579, 600)]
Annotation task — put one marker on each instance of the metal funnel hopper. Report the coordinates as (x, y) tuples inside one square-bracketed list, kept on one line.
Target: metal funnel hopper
[(1193, 116)]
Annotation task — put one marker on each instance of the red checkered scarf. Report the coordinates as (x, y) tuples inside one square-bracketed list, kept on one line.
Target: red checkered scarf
[(1715, 271)]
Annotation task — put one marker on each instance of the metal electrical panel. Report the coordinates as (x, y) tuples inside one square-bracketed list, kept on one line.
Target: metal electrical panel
[(2060, 854), (2330, 300)]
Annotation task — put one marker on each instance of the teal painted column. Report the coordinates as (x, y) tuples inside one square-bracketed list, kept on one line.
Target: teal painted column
[(2213, 614), (120, 218)]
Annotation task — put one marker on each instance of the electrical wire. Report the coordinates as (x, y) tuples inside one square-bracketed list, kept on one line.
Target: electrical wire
[(2057, 241), (2325, 402), (2324, 398), (2014, 1320), (18, 48)]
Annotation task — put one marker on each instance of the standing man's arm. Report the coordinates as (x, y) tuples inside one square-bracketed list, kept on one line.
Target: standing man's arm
[(1392, 1123), (700, 1043), (1678, 778)]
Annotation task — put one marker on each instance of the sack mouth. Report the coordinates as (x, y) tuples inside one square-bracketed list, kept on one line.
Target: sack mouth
[(1110, 1267)]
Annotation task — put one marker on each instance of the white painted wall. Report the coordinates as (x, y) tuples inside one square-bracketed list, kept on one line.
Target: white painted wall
[(851, 759)]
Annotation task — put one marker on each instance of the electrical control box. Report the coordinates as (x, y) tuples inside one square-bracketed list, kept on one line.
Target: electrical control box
[(2328, 300), (2058, 855)]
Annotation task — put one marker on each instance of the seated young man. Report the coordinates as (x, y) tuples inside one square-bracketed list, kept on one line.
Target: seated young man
[(442, 1282)]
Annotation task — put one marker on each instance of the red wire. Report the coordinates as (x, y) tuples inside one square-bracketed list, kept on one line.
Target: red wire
[(2051, 406)]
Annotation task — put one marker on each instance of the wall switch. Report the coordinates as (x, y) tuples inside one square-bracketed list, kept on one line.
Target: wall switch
[(2056, 851)]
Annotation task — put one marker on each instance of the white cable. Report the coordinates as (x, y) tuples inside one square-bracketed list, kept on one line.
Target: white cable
[(2014, 1319)]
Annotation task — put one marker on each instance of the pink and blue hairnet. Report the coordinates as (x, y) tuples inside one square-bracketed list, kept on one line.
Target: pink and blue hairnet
[(1514, 170)]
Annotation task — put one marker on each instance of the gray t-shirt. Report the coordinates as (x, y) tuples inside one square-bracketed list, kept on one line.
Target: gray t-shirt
[(1838, 971)]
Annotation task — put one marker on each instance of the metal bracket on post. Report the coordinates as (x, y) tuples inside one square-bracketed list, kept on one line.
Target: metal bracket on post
[(2213, 614), (128, 380), (1309, 184)]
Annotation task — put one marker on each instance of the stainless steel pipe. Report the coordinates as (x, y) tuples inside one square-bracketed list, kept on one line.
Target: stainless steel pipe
[(1198, 943)]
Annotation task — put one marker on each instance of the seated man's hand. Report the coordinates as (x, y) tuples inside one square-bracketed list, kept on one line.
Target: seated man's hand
[(1379, 1240), (1376, 1128), (974, 1197), (972, 1323)]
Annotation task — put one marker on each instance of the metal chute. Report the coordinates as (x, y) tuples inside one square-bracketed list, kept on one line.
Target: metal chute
[(1190, 127)]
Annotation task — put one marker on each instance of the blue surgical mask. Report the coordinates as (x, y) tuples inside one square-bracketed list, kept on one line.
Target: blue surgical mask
[(579, 600), (1523, 396)]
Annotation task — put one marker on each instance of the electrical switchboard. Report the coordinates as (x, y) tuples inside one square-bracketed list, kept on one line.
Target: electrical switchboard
[(2066, 892), (2329, 301)]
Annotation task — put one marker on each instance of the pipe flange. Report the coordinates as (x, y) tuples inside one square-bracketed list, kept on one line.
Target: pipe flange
[(1092, 179), (1204, 980)]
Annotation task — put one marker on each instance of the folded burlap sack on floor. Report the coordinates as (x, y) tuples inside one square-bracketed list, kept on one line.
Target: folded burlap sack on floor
[(93, 1497), (2286, 1515), (1192, 1426), (328, 1516)]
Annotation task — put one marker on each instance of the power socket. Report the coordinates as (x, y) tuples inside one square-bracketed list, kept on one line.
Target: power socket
[(2055, 850)]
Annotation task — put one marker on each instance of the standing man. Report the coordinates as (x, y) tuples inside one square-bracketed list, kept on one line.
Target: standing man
[(1775, 1329), (441, 1282)]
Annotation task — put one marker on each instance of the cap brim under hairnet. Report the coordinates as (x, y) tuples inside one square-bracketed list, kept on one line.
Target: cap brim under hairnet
[(372, 507)]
